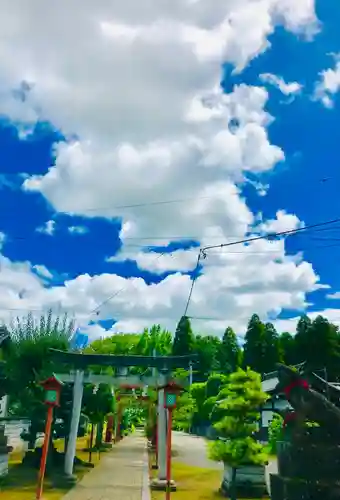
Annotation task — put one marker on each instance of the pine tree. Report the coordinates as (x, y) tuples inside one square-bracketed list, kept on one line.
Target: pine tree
[(254, 345), (302, 337), (184, 338), (229, 354), (271, 353), (288, 348), (323, 347)]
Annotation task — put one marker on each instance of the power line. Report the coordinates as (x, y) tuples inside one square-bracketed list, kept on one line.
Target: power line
[(265, 252), (202, 254), (272, 235), (117, 292), (8, 238)]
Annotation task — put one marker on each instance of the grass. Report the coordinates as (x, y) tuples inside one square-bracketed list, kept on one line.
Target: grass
[(21, 481), (193, 483)]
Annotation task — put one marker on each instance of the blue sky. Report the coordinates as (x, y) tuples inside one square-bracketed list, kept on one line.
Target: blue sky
[(83, 236)]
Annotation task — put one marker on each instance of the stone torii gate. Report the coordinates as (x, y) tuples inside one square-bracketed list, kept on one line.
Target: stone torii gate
[(80, 374)]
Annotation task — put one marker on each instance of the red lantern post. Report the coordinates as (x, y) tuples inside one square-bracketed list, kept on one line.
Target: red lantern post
[(171, 391), (52, 388)]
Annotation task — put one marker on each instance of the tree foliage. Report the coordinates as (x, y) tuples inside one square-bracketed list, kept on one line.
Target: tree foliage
[(184, 338), (253, 349), (275, 432), (230, 354), (238, 423)]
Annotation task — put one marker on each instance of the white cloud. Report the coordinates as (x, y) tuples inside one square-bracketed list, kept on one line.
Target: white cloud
[(335, 296), (289, 325), (47, 228), (283, 222), (78, 229), (328, 85), (158, 263), (288, 89), (43, 272), (236, 282), (137, 84)]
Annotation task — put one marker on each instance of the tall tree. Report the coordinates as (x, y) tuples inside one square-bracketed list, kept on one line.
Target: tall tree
[(288, 348), (271, 352), (206, 348), (230, 353), (322, 351), (184, 338), (28, 361), (155, 339), (254, 345), (302, 338)]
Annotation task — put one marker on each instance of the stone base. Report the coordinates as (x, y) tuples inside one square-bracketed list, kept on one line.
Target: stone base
[(245, 491), (3, 466), (250, 482), (64, 481), (283, 488), (161, 485)]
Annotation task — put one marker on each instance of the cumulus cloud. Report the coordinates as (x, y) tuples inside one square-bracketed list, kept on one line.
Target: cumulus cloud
[(287, 89), (47, 228), (43, 272), (328, 84), (283, 222), (234, 283), (159, 145), (289, 325), (78, 229)]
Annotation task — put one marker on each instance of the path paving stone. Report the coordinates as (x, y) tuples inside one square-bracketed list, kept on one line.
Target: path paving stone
[(122, 474)]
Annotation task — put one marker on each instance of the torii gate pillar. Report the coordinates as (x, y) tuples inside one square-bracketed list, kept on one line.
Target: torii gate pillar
[(72, 440)]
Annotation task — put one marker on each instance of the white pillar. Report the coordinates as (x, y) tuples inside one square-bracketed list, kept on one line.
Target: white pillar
[(190, 374), (161, 438), (4, 403), (76, 409)]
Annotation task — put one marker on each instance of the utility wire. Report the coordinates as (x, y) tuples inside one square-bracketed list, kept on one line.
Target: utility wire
[(202, 255), (203, 251), (96, 310), (183, 237), (272, 235)]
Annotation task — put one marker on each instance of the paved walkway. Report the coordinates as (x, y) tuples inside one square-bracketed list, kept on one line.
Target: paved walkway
[(193, 450), (122, 474)]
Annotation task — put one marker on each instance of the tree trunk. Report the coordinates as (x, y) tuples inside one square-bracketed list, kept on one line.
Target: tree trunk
[(99, 435), (233, 484), (91, 442)]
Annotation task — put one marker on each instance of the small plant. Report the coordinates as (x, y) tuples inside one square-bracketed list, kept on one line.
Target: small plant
[(275, 433), (242, 399)]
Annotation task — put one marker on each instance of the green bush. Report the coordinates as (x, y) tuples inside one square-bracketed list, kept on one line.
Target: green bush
[(275, 433)]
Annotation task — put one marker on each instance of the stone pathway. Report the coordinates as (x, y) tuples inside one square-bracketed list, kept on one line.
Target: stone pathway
[(122, 474), (193, 450)]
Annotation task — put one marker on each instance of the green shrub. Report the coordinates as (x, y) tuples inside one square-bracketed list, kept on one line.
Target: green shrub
[(275, 433)]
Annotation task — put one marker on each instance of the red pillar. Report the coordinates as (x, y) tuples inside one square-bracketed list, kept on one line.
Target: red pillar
[(168, 456), (44, 452), (109, 429)]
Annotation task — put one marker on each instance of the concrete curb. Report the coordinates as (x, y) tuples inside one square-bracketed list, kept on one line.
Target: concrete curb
[(146, 494)]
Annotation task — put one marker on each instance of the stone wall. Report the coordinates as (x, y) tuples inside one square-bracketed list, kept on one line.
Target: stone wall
[(3, 452), (13, 430), (3, 406)]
